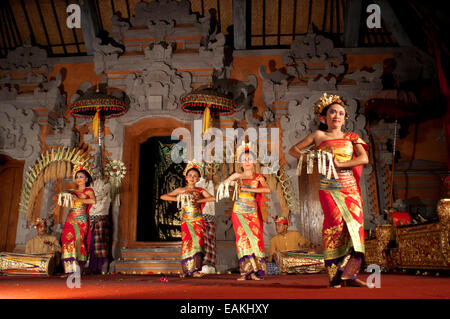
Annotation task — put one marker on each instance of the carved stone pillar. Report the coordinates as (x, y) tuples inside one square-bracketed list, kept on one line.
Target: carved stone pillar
[(381, 132)]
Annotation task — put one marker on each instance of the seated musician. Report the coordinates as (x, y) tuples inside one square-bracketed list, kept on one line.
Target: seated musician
[(41, 257), (287, 241), (42, 243)]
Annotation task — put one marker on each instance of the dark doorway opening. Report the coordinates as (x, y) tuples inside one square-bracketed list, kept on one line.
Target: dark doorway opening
[(158, 220)]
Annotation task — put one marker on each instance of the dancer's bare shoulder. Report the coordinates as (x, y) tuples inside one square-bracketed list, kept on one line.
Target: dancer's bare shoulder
[(319, 136)]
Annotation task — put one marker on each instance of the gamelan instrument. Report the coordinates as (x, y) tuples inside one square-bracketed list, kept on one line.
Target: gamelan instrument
[(27, 264)]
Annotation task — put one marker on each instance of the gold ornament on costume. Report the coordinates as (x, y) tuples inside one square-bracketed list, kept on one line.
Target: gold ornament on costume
[(185, 200), (223, 191), (193, 164), (325, 101), (324, 161), (65, 199)]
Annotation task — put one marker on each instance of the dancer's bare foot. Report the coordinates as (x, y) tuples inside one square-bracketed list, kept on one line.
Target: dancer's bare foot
[(254, 277), (182, 275), (353, 283), (242, 278), (197, 274)]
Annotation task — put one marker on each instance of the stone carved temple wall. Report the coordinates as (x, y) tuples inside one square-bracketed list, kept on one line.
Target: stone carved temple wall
[(165, 56)]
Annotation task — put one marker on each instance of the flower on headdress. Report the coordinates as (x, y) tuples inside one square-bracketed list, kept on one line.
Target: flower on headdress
[(245, 148)]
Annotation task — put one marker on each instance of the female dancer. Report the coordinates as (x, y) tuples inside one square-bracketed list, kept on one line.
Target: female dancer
[(192, 224), (246, 217), (343, 229), (76, 232)]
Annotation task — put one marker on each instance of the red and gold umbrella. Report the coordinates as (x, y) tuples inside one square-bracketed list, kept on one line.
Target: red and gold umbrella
[(207, 101), (96, 104)]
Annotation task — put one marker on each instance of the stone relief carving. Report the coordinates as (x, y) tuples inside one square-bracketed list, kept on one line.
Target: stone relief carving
[(8, 93), (166, 10), (49, 94), (104, 55), (161, 52), (119, 27), (267, 118), (366, 79), (27, 57), (158, 87), (63, 135), (381, 132), (19, 134), (33, 61), (239, 91), (274, 85), (212, 23), (160, 18), (314, 55), (160, 29), (214, 53)]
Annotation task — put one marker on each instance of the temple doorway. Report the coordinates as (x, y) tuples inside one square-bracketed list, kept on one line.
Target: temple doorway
[(158, 220), (11, 172)]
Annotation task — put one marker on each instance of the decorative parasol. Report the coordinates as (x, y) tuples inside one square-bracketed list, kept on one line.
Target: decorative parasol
[(98, 105), (207, 101)]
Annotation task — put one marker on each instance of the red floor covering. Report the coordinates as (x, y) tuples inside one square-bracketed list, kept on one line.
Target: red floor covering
[(312, 286)]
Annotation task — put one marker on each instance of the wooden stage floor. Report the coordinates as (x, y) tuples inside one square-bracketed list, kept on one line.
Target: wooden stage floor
[(223, 286)]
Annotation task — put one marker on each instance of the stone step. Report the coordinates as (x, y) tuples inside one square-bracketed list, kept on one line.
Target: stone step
[(162, 258), (151, 257), (146, 267), (172, 249)]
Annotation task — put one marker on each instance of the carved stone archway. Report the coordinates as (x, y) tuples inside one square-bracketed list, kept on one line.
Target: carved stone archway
[(134, 135)]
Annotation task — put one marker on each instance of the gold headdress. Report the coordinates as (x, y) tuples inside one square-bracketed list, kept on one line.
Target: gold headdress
[(39, 222), (80, 166), (193, 164), (246, 147), (326, 100)]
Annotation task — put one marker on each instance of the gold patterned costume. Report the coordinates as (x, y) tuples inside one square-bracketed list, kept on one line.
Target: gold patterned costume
[(248, 228), (192, 231)]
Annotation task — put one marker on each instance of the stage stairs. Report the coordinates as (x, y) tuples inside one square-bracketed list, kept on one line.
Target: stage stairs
[(158, 258)]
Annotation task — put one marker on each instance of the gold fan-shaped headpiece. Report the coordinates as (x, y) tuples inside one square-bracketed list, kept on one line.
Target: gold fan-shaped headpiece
[(79, 167), (193, 164), (326, 100)]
